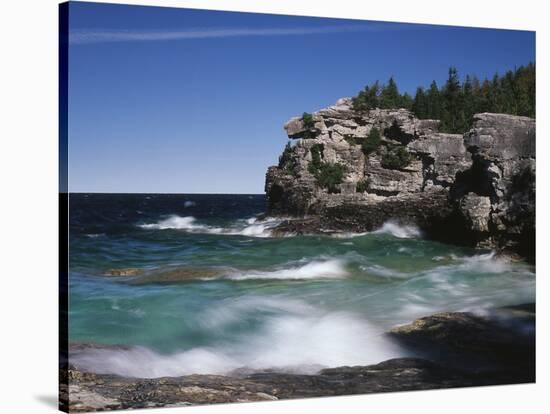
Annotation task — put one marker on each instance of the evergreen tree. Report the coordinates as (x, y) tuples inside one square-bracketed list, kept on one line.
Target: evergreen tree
[(468, 101), (420, 104), (434, 105), (406, 101), (453, 119), (389, 95), (454, 104)]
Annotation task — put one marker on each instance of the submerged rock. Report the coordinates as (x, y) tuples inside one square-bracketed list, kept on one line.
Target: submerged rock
[(476, 189), (129, 271), (176, 275)]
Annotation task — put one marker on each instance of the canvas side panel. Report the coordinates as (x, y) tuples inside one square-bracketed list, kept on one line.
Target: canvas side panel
[(63, 207)]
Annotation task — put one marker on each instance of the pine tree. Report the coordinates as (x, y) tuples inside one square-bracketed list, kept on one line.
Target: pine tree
[(453, 119), (454, 104), (389, 95), (434, 104), (420, 104), (468, 101), (406, 101)]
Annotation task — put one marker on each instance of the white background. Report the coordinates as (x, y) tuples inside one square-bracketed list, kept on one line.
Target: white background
[(28, 215)]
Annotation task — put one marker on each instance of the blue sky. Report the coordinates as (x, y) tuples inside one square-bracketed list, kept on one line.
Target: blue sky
[(190, 101)]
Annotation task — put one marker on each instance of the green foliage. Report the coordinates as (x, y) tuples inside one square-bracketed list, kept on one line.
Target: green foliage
[(405, 101), (309, 125), (372, 142), (385, 97), (455, 103), (350, 139), (420, 103), (368, 98), (308, 121), (396, 158), (316, 157), (389, 96), (362, 186), (434, 106), (286, 162), (453, 118), (285, 157), (330, 175)]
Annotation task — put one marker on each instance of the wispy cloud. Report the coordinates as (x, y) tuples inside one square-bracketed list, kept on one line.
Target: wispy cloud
[(108, 36)]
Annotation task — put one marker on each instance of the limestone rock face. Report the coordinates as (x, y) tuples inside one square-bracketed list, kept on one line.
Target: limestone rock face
[(340, 131), (496, 195), (482, 182)]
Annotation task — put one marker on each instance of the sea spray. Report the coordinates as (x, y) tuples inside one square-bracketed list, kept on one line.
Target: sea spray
[(397, 230), (294, 337), (316, 269), (251, 227)]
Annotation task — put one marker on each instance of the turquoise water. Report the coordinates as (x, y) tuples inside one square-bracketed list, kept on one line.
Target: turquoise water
[(248, 300)]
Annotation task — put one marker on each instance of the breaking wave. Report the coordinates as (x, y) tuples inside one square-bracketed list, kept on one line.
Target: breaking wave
[(399, 231), (251, 227), (296, 337), (317, 269)]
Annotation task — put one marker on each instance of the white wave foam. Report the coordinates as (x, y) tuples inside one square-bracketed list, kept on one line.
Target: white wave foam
[(317, 269), (486, 263), (294, 336), (189, 203), (251, 227), (176, 223), (399, 231), (382, 271), (94, 235), (348, 235), (142, 362)]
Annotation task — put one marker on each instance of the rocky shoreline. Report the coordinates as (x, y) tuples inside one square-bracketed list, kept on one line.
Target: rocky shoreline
[(453, 349), (475, 189)]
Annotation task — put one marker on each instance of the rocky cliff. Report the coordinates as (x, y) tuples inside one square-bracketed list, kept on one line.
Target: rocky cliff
[(477, 188)]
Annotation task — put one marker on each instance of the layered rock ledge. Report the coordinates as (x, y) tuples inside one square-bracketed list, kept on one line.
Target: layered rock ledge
[(476, 188)]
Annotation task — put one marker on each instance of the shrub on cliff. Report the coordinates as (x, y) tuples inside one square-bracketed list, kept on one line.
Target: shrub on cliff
[(309, 126), (396, 158), (316, 157), (372, 142), (285, 159), (329, 175), (307, 119), (362, 186)]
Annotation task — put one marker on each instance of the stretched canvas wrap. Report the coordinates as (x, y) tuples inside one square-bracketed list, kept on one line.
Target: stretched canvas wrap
[(259, 207)]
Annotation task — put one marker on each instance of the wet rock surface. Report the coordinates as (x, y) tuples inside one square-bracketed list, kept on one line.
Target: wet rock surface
[(454, 350), (501, 342), (482, 182)]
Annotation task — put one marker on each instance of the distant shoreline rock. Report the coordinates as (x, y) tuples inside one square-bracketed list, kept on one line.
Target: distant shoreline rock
[(476, 189), (455, 349)]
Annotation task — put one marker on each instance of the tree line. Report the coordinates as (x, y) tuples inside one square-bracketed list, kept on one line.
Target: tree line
[(455, 102)]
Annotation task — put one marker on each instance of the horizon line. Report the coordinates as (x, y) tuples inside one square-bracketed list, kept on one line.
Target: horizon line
[(148, 193)]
